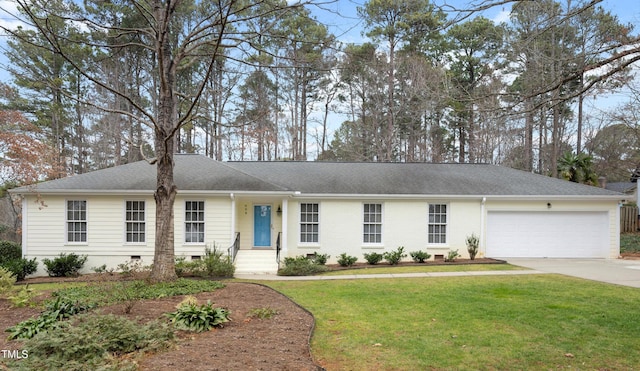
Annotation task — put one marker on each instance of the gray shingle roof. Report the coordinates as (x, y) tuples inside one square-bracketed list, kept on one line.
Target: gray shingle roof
[(199, 173)]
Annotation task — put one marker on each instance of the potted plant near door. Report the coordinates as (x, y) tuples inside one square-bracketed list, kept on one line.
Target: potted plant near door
[(472, 246)]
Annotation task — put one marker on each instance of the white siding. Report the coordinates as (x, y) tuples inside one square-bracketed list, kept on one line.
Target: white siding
[(106, 242), (404, 224)]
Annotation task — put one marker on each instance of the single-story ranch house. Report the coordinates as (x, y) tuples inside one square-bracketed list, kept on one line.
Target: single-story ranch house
[(319, 207)]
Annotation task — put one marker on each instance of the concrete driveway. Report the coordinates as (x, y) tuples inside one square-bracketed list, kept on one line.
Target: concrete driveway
[(616, 271)]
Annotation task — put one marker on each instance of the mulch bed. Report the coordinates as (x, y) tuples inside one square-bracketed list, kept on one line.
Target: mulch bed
[(245, 343)]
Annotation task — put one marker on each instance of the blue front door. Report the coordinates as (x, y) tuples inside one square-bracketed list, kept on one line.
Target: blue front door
[(262, 226)]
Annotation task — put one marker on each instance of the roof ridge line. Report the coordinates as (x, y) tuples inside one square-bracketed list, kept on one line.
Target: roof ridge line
[(225, 164)]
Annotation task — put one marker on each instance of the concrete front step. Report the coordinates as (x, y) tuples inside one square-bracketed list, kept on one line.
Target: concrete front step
[(256, 262)]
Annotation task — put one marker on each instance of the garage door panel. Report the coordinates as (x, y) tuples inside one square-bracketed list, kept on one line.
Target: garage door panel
[(547, 234)]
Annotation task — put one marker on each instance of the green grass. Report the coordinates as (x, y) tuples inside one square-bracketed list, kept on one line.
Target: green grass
[(469, 323), (629, 242), (386, 269)]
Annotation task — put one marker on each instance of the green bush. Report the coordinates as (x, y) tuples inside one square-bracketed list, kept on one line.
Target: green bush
[(94, 342), (9, 251), (23, 297), (320, 259), (373, 258), (11, 259), (394, 257), (199, 318), (65, 265), (472, 246), (452, 256), (21, 267), (419, 256), (217, 263), (300, 266), (346, 260)]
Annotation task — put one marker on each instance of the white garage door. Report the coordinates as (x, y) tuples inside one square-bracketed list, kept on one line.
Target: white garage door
[(547, 234)]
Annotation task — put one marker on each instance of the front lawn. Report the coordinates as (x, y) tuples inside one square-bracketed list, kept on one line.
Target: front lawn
[(490, 322)]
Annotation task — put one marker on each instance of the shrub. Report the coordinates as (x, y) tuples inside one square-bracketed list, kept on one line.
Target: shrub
[(346, 260), (134, 268), (11, 259), (300, 266), (65, 265), (91, 342), (21, 267), (217, 263), (373, 258), (452, 256), (199, 318), (394, 257), (9, 251), (472, 246), (419, 256), (320, 259)]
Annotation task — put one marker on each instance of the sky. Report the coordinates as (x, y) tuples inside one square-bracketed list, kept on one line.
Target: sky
[(341, 18)]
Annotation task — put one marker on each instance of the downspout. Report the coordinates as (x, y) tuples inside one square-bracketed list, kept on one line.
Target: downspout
[(482, 227), (617, 240), (25, 226), (285, 228), (233, 217)]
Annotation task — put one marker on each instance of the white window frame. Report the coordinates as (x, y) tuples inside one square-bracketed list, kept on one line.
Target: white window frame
[(81, 221), (191, 223), (306, 223), (434, 219), (141, 223), (367, 223)]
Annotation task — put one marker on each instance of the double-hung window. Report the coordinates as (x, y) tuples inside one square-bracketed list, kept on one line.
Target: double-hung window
[(194, 222), (135, 221), (437, 233), (372, 226), (76, 221), (309, 223)]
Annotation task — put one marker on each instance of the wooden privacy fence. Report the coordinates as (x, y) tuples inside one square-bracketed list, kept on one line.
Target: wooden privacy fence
[(628, 219)]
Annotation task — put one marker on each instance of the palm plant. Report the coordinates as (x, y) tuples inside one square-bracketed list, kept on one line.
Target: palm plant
[(577, 168)]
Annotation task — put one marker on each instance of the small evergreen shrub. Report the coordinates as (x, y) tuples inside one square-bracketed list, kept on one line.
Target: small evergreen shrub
[(373, 258), (394, 257), (9, 251), (65, 265), (199, 318), (346, 260), (452, 256), (11, 259), (419, 256), (21, 267), (320, 259), (300, 266)]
